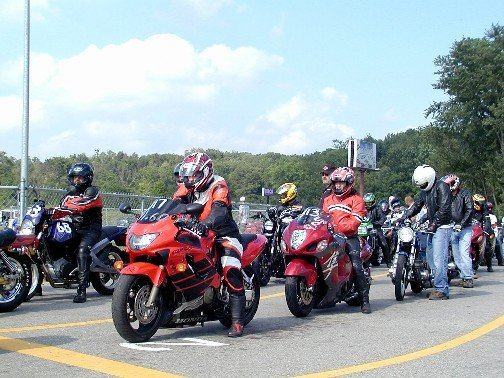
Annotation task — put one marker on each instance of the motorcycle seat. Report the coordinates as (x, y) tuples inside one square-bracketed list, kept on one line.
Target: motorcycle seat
[(247, 238), (7, 236)]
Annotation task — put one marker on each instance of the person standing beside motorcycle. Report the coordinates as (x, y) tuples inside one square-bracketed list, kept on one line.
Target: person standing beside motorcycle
[(200, 185), (85, 203), (461, 212), (377, 218), (325, 173), (436, 195), (347, 209), (493, 223), (287, 197)]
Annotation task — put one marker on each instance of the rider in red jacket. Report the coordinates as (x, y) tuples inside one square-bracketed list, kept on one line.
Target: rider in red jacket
[(348, 210)]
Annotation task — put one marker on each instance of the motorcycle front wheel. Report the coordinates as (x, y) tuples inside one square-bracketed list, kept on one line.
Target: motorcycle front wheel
[(15, 285), (300, 299), (105, 283), (133, 320), (401, 278), (265, 268), (37, 276)]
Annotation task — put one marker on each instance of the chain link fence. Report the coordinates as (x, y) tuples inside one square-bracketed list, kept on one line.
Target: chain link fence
[(9, 204)]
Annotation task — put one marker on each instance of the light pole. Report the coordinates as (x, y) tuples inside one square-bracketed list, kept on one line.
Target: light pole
[(26, 111)]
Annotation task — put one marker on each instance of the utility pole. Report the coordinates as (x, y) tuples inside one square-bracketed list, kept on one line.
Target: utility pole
[(26, 111)]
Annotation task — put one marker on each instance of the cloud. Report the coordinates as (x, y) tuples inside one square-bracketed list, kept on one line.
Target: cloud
[(301, 125)]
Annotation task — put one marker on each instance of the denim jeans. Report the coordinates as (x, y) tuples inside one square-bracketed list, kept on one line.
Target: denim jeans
[(437, 257), (461, 248)]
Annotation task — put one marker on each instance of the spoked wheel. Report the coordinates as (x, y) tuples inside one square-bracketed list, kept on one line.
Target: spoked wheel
[(265, 270), (133, 320), (105, 283), (300, 299), (253, 294), (401, 278), (14, 285)]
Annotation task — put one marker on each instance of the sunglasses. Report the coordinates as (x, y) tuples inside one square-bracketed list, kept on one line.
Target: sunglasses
[(324, 174)]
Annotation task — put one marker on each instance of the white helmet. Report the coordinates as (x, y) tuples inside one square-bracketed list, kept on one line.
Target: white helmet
[(424, 177)]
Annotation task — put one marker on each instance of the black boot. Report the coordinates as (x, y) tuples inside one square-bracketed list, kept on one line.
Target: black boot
[(81, 294), (237, 302), (489, 264)]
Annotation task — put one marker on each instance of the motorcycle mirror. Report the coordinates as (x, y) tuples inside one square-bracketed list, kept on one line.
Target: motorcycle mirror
[(125, 208), (194, 208)]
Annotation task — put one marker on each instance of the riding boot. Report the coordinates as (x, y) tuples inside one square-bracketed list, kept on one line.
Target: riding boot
[(81, 293), (83, 264), (237, 302), (488, 260), (363, 296)]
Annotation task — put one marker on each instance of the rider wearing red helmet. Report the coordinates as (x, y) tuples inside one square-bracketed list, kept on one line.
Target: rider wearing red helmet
[(348, 210), (200, 185)]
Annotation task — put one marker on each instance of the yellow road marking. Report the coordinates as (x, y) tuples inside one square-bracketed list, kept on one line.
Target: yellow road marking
[(53, 326), (81, 360), (412, 356)]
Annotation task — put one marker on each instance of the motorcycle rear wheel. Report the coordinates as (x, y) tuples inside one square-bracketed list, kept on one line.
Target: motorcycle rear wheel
[(300, 299), (132, 319), (401, 278), (105, 283), (265, 270), (14, 293)]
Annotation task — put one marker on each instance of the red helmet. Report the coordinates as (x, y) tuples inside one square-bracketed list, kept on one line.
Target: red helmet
[(346, 175), (452, 180), (196, 171)]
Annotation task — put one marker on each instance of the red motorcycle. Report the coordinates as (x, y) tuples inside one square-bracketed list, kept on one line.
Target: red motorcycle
[(319, 272), (174, 276), (478, 243)]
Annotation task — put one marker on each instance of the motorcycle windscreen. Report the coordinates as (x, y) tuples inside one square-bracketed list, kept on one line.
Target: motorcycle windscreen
[(160, 209), (313, 215)]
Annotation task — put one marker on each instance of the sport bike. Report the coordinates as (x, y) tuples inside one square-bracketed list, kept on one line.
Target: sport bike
[(15, 271), (175, 276), (319, 272), (53, 250), (369, 233)]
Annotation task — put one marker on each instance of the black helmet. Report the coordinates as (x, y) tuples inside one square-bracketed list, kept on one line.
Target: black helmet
[(81, 169), (384, 205), (176, 170)]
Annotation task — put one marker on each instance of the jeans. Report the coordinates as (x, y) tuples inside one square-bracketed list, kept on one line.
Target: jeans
[(461, 248), (437, 257)]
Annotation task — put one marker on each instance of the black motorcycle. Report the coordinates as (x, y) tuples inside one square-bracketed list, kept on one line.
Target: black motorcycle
[(409, 265), (54, 251), (272, 259), (370, 234), (15, 273)]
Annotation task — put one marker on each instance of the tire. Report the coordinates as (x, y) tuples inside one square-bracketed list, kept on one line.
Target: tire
[(416, 287), (252, 305), (401, 278), (105, 283), (299, 300), (128, 306), (37, 276), (265, 270), (13, 293)]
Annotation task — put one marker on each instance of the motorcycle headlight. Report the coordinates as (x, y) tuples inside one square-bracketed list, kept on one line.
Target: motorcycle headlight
[(27, 227), (297, 238), (138, 242), (268, 226), (405, 234)]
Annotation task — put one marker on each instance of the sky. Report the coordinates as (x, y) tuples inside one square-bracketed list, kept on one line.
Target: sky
[(166, 76)]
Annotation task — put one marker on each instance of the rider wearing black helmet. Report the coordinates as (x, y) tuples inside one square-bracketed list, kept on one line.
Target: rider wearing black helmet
[(86, 204), (377, 215)]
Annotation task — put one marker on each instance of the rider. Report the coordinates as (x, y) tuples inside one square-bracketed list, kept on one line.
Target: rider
[(377, 218), (176, 174), (85, 203), (200, 185), (461, 212), (288, 198), (348, 210), (436, 195), (480, 214), (494, 225), (325, 173)]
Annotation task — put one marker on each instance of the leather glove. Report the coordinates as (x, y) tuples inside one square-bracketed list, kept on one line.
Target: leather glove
[(457, 228), (199, 228), (431, 228)]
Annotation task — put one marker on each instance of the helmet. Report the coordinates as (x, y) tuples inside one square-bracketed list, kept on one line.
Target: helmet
[(344, 174), (287, 192), (489, 206), (176, 170), (395, 203), (196, 171), (384, 205), (424, 177), (479, 201), (451, 180), (369, 200), (81, 169)]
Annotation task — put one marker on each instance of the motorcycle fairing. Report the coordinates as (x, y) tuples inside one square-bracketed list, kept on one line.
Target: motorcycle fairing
[(298, 267), (156, 275), (253, 246), (61, 231)]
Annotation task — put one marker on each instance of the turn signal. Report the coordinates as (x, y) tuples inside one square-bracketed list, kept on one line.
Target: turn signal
[(181, 267), (118, 265)]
